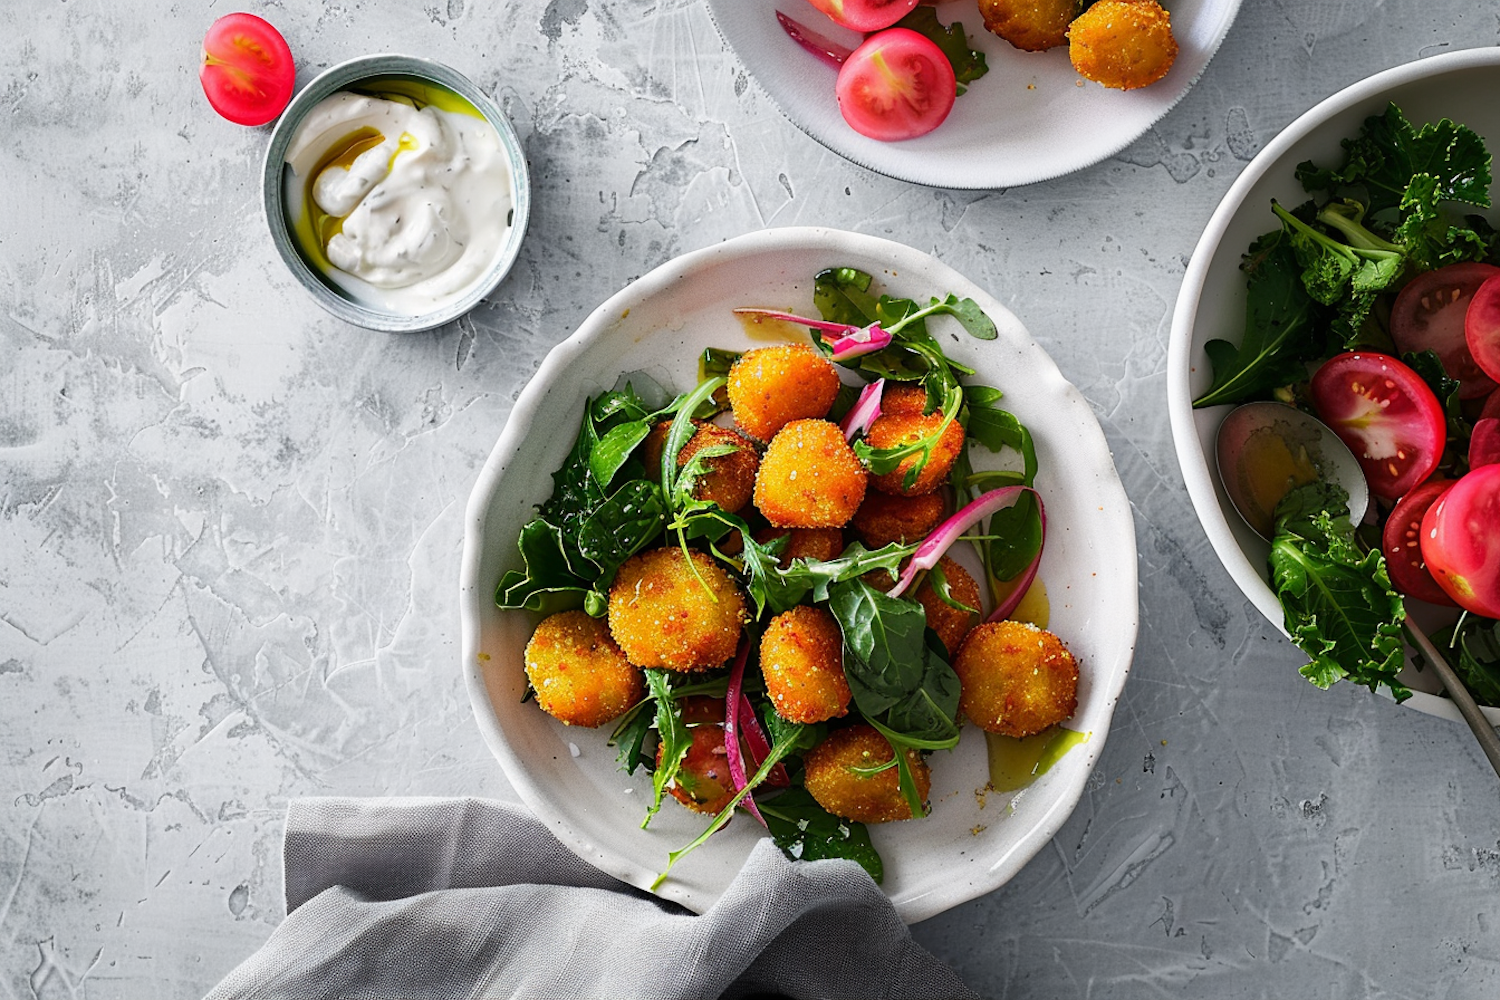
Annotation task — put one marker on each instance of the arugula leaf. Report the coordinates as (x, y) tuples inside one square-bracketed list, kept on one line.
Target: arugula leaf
[(968, 64), (630, 732), (674, 736), (1339, 605), (1279, 316), (842, 296), (803, 829)]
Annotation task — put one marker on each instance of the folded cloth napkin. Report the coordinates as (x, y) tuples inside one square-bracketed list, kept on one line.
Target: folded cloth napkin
[(450, 898)]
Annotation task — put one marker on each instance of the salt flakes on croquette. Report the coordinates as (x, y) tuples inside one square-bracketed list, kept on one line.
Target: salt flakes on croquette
[(832, 478), (665, 613), (769, 387), (1015, 679)]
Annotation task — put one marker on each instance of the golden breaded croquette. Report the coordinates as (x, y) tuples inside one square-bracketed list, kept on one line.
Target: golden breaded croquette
[(802, 660), (831, 781), (665, 612), (951, 624), (580, 676), (1016, 679), (901, 422), (820, 544), (769, 387), (703, 783), (809, 477), (1032, 25), (730, 480), (889, 517), (1123, 44)]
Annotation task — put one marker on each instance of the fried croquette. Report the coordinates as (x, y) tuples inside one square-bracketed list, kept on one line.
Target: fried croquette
[(664, 612), (802, 660), (1033, 25), (578, 673), (769, 387), (901, 422), (809, 477), (1016, 679), (703, 783), (884, 518), (1123, 44), (831, 779), (730, 479), (951, 624), (820, 544)]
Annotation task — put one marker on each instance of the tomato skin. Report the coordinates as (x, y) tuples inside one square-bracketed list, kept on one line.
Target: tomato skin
[(1387, 416), (1400, 540), (1461, 541), (1482, 327), (1484, 444), (1431, 313), (865, 15), (897, 85), (1491, 406), (247, 69)]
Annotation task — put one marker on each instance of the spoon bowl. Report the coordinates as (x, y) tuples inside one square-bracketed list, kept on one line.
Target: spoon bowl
[(1266, 449)]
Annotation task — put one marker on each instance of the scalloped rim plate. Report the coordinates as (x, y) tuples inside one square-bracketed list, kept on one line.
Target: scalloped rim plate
[(659, 325), (1030, 118)]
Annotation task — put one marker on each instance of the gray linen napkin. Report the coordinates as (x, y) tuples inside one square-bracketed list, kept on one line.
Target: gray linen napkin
[(450, 898)]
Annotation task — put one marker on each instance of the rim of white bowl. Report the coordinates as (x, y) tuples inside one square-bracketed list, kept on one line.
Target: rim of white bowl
[(1196, 473), (518, 424)]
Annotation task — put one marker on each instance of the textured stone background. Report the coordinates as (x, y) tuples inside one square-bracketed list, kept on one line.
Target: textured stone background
[(230, 526)]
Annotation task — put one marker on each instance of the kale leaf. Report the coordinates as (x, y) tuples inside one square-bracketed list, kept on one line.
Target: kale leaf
[(1339, 605)]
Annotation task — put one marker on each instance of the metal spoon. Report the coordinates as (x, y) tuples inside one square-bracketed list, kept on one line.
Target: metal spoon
[(1266, 449)]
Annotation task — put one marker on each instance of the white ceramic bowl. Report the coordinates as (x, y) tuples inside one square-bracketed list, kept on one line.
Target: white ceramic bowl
[(1030, 118), (360, 74), (1459, 85), (659, 325)]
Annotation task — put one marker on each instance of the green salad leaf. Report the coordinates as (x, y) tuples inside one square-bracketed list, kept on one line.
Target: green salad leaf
[(803, 829), (1477, 641), (1339, 605), (968, 64)]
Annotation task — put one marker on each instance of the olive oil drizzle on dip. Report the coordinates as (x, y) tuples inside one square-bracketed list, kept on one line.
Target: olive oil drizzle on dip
[(399, 194)]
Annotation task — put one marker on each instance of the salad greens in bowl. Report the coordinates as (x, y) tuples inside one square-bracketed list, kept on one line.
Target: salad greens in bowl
[(1347, 273), (652, 355)]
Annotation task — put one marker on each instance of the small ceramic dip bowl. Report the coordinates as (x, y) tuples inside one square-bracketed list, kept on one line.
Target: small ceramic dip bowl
[(396, 192)]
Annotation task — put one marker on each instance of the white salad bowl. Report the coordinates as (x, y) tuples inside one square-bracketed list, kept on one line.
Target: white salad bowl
[(1211, 304), (1030, 118), (658, 326)]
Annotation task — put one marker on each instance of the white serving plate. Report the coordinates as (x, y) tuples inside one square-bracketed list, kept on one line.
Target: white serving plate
[(1030, 118), (1458, 85), (659, 325)]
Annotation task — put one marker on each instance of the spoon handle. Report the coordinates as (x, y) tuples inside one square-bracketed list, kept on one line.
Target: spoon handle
[(1489, 741)]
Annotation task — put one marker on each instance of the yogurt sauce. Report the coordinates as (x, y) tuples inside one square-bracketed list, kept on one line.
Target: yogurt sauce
[(404, 208)]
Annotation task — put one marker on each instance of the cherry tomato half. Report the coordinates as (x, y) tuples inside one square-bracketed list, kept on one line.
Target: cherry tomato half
[(1387, 416), (1400, 540), (865, 15), (1461, 541), (897, 85), (1482, 327), (247, 71), (1430, 314)]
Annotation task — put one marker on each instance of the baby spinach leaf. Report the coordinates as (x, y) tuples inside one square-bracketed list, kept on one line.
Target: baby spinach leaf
[(805, 830), (842, 296), (1339, 605), (547, 584)]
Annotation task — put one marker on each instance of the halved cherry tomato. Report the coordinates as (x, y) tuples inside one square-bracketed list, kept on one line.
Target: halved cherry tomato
[(865, 15), (1482, 327), (1387, 416), (897, 85), (1491, 406), (1430, 314), (1400, 541), (1461, 541), (1484, 444), (247, 69)]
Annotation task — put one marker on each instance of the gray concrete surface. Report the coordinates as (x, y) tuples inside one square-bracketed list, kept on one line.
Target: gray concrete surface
[(230, 525)]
